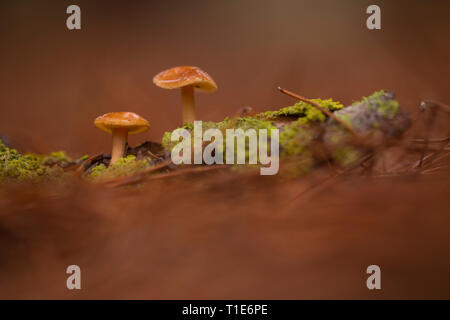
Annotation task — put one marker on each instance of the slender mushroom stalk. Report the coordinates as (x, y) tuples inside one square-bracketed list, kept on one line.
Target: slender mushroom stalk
[(188, 103), (188, 79), (120, 125), (119, 138)]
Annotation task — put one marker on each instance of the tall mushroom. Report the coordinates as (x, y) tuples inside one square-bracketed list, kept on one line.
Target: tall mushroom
[(120, 125), (187, 78)]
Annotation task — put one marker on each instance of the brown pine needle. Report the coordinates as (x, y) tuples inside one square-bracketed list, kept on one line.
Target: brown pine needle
[(446, 139), (141, 178), (137, 177), (433, 170), (185, 171)]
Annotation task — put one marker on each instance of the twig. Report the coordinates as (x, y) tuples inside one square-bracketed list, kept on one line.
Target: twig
[(81, 166), (428, 124), (442, 106), (327, 112)]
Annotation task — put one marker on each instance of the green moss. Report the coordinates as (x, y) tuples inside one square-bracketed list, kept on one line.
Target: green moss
[(337, 135), (388, 109), (166, 139), (59, 158), (252, 123), (346, 118), (303, 109), (122, 168), (98, 170), (374, 96), (14, 165), (243, 123), (238, 123), (346, 156), (383, 105), (295, 137)]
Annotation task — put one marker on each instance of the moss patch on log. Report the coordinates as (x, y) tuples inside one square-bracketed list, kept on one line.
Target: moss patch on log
[(17, 166), (124, 167), (303, 109)]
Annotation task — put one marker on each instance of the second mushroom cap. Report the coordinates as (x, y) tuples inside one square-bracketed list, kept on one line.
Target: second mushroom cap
[(182, 76), (187, 79)]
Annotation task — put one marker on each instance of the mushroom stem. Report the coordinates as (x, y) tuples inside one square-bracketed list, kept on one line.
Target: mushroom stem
[(119, 137), (188, 102)]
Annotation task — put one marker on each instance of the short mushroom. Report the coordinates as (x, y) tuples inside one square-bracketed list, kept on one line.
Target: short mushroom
[(187, 78), (120, 124)]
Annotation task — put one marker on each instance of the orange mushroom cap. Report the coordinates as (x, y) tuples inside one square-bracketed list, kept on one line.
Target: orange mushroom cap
[(182, 76), (122, 120)]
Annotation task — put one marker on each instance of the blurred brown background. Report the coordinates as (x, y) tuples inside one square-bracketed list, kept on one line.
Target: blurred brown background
[(221, 234), (54, 82)]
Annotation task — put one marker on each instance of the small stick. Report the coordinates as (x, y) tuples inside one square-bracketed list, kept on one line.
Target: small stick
[(428, 124), (328, 113), (424, 105), (81, 166)]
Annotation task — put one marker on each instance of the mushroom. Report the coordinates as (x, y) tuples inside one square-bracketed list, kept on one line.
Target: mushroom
[(120, 124), (187, 78)]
